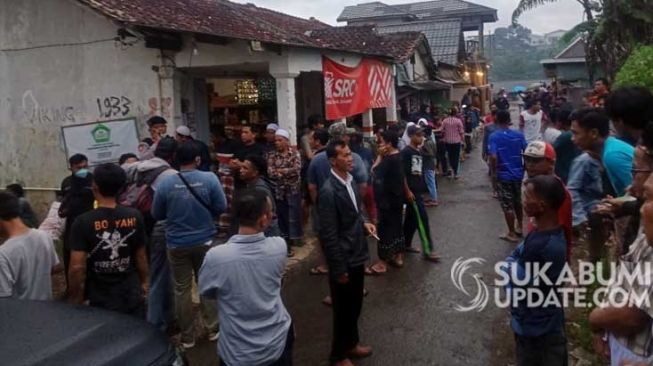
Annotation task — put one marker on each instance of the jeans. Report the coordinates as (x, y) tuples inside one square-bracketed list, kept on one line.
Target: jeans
[(289, 214), (347, 305), (184, 263), (453, 151), (411, 223), (160, 299), (432, 184)]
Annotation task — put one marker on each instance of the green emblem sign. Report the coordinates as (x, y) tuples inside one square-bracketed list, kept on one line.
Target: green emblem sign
[(101, 134)]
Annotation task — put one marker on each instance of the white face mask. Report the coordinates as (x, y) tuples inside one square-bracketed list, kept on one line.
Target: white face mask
[(82, 173)]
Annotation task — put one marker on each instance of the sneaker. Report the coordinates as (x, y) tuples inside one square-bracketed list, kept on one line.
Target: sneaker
[(188, 345), (213, 336)]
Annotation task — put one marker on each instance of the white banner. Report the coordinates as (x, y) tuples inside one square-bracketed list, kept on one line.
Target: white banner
[(101, 142)]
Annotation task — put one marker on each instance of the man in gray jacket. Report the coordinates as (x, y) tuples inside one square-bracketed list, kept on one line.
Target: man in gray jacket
[(342, 235)]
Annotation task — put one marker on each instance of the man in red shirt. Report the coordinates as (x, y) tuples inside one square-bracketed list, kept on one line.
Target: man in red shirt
[(540, 159)]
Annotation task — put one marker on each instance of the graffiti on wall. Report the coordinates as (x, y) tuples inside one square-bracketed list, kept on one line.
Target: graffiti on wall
[(36, 113), (160, 106), (113, 106)]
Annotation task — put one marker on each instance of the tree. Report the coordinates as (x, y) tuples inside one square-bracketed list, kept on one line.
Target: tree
[(513, 57), (525, 5), (638, 69), (614, 28)]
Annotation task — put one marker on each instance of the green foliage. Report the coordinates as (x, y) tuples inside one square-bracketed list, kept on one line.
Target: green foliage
[(638, 69), (525, 5), (512, 56)]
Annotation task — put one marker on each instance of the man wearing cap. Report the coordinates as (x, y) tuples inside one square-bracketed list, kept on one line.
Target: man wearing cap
[(158, 127), (270, 132), (540, 159), (184, 135), (415, 187), (505, 149), (284, 165)]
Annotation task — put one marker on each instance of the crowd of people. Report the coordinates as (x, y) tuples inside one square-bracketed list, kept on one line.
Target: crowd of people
[(136, 235), (585, 176)]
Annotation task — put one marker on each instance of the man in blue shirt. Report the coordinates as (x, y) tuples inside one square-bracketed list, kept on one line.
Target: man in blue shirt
[(591, 134), (244, 276), (505, 150), (189, 201), (539, 330)]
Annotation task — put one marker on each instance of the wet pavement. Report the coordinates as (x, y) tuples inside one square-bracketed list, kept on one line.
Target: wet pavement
[(409, 316)]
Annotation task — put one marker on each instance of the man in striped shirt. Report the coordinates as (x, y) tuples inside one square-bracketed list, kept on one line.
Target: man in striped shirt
[(454, 135)]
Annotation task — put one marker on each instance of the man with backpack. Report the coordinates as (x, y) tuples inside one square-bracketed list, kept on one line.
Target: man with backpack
[(144, 178), (190, 201)]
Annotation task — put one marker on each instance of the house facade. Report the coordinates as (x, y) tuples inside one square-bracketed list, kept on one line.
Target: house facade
[(214, 66)]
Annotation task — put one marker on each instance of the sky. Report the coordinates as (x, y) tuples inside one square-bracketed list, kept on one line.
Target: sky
[(564, 14)]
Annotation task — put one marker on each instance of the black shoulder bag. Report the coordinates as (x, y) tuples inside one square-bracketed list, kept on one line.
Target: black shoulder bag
[(192, 191)]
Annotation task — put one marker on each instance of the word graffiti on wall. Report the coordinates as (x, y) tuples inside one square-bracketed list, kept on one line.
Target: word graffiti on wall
[(163, 107), (113, 106), (35, 113)]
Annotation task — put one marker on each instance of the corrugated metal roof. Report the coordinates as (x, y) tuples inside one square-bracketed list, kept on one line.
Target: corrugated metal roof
[(443, 37), (426, 9)]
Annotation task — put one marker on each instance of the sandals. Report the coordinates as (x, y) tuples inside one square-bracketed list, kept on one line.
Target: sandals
[(506, 237), (413, 250), (371, 271)]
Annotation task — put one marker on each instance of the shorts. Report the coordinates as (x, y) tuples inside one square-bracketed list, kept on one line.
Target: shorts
[(509, 195)]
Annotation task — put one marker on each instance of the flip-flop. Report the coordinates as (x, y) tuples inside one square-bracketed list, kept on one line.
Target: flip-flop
[(508, 239), (520, 235), (434, 259), (370, 271), (316, 271)]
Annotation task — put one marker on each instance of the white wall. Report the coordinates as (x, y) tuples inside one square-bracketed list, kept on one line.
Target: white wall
[(45, 88)]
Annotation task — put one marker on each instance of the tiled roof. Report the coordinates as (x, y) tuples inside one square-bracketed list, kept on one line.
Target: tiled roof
[(443, 37), (419, 10), (365, 39), (213, 17), (246, 21)]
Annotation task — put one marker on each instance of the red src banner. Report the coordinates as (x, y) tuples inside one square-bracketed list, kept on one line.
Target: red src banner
[(353, 90)]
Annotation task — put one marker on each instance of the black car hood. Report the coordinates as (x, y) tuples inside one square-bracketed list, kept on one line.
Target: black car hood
[(54, 333)]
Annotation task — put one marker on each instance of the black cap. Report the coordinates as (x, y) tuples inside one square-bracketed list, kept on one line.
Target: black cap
[(156, 120), (414, 130), (165, 147)]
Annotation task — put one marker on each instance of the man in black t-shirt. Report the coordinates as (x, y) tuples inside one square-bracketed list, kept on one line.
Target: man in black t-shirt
[(415, 186), (108, 265), (247, 147), (77, 198)]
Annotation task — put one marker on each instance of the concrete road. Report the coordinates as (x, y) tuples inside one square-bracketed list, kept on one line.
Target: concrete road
[(409, 316)]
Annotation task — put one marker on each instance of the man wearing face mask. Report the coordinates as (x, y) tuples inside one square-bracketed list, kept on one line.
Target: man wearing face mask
[(77, 198)]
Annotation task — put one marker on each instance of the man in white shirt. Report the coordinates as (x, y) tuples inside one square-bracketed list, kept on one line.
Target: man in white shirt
[(27, 258), (530, 122)]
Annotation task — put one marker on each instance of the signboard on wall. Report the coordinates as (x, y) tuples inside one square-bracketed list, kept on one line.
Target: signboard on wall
[(101, 142), (352, 90)]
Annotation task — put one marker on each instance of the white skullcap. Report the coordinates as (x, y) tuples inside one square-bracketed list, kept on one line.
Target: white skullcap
[(283, 133), (183, 131), (272, 126)]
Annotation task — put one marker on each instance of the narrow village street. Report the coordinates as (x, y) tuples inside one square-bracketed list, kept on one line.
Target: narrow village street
[(409, 316)]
